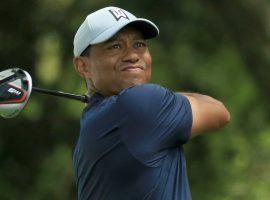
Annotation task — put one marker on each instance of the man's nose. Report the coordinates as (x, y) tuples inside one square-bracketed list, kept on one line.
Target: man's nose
[(130, 55)]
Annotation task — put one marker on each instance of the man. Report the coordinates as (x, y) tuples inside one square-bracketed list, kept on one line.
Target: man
[(132, 132)]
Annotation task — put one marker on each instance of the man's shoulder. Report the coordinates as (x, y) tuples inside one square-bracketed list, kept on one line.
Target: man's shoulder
[(143, 90), (143, 86), (148, 97), (143, 97)]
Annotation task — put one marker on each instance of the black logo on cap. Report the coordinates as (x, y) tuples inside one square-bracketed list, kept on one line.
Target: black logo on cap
[(117, 14)]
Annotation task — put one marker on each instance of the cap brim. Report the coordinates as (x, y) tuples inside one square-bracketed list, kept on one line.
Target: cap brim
[(148, 29)]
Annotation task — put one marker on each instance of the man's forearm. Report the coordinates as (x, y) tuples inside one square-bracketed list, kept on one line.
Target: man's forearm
[(208, 113), (201, 97)]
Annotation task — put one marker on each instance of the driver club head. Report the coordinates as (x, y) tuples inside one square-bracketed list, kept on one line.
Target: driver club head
[(15, 90)]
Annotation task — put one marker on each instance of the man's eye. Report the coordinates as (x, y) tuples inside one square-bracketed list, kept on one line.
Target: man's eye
[(140, 44), (115, 46)]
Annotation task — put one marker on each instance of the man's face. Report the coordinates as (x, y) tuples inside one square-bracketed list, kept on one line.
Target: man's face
[(121, 62)]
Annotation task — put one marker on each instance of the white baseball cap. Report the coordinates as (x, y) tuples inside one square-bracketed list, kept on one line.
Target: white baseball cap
[(101, 25)]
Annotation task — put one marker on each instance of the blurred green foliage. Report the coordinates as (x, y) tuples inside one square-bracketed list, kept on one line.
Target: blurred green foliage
[(220, 48)]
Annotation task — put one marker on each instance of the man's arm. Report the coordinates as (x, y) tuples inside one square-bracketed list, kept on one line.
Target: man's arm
[(208, 113)]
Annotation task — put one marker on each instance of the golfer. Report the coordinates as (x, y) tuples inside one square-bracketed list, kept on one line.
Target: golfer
[(132, 134)]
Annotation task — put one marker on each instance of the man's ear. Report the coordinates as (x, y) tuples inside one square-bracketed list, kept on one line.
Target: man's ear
[(82, 66)]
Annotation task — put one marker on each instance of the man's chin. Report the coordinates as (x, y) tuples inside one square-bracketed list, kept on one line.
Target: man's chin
[(126, 84), (133, 83)]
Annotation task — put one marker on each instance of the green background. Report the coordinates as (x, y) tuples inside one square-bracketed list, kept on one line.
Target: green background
[(220, 48)]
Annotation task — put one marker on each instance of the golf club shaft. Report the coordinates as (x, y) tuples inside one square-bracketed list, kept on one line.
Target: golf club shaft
[(82, 98)]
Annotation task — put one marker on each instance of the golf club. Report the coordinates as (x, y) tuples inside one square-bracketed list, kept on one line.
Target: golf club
[(16, 88)]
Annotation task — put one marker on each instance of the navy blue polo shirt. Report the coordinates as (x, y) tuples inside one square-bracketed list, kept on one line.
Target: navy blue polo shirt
[(130, 146)]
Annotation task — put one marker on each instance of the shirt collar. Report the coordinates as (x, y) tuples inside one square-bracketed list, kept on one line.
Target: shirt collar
[(96, 97)]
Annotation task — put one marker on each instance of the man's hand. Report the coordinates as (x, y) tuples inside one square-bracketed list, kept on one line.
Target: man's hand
[(208, 113)]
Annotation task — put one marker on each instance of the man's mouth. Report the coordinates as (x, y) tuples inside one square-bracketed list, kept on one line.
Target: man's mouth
[(132, 68)]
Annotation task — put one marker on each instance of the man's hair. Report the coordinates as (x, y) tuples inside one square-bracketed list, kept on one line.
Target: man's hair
[(86, 52)]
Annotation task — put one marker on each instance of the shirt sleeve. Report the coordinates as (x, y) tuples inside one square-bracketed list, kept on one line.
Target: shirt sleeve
[(153, 119)]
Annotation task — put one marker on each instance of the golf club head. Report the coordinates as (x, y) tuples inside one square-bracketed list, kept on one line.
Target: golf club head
[(15, 90)]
